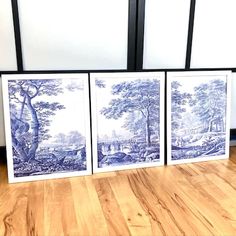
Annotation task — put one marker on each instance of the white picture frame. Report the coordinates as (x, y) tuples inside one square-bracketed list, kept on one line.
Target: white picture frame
[(118, 136), (47, 126), (198, 116)]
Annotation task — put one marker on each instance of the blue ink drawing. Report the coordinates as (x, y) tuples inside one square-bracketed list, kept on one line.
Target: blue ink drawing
[(128, 121), (198, 118), (45, 131)]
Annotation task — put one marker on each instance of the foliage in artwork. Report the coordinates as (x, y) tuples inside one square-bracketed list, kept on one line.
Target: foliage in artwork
[(36, 149), (198, 119), (134, 106)]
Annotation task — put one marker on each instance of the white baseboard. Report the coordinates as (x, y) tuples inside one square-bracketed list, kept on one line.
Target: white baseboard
[(233, 142)]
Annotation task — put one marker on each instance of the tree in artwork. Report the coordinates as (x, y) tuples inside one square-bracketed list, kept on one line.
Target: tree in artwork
[(140, 99), (209, 105), (135, 105), (178, 101), (198, 118), (29, 119)]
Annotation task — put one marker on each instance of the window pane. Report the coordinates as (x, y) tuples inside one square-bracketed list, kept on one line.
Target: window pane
[(74, 34), (166, 31), (7, 41), (214, 34)]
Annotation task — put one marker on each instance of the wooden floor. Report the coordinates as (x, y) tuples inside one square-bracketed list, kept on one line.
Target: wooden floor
[(193, 199)]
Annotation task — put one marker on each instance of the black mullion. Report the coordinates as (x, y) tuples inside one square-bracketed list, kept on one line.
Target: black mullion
[(140, 34), (190, 34), (131, 59), (16, 23)]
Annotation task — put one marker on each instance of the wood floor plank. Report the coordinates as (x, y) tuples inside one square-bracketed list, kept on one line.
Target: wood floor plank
[(210, 190), (68, 214), (155, 199), (224, 169), (189, 199), (227, 203), (184, 213), (111, 210), (88, 209), (135, 216), (35, 214), (14, 211), (210, 211), (52, 209)]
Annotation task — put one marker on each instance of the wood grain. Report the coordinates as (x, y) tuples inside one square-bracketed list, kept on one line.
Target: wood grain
[(188, 199)]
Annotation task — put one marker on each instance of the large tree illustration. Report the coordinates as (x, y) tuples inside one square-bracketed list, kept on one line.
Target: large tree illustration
[(209, 104), (178, 101), (140, 100), (30, 116)]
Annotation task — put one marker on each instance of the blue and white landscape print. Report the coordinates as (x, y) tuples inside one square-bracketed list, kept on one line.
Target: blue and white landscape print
[(48, 124), (199, 127), (128, 120)]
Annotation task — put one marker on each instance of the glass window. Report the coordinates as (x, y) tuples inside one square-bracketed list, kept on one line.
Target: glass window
[(7, 39), (214, 34), (74, 34), (166, 32)]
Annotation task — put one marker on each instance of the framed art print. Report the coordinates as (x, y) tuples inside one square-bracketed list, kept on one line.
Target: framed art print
[(127, 120), (198, 116), (47, 126)]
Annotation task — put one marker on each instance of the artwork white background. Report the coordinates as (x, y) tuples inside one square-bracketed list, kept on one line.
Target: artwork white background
[(63, 122), (189, 81), (102, 125), (66, 120)]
